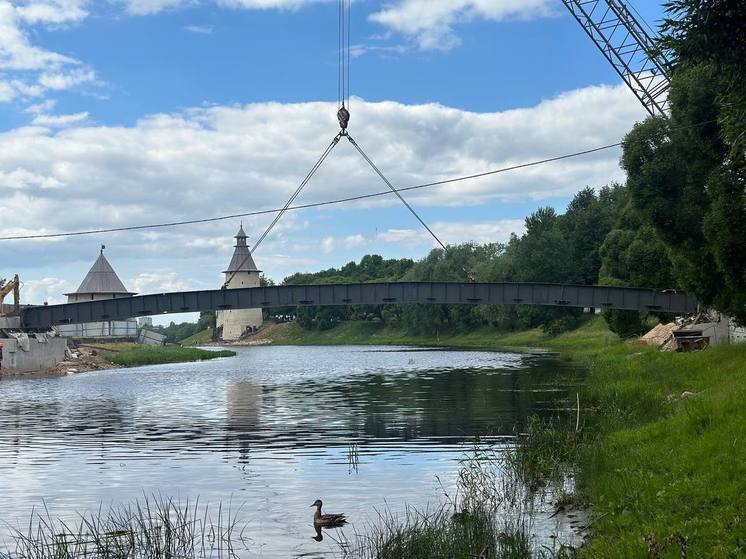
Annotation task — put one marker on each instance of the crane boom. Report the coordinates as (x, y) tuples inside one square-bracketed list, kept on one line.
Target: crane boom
[(13, 285), (628, 47)]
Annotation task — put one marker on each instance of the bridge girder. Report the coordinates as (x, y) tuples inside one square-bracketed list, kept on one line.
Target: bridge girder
[(625, 298)]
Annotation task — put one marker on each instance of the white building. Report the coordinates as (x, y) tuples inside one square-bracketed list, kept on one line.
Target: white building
[(100, 283), (241, 272)]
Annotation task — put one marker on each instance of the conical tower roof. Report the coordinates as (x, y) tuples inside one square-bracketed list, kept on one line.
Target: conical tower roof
[(242, 260), (101, 279)]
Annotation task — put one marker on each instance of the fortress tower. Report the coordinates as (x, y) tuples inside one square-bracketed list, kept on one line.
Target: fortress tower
[(241, 272)]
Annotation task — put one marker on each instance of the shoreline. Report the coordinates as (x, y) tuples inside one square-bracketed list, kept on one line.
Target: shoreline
[(106, 356), (655, 450)]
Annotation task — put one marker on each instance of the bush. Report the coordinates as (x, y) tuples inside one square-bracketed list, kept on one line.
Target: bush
[(625, 324)]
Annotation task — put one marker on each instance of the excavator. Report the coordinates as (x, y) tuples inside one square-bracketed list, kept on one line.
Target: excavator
[(13, 285)]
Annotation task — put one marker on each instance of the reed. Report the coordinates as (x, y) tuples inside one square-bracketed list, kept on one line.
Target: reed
[(154, 527), (488, 515)]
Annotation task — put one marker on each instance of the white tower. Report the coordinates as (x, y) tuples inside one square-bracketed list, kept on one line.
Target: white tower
[(241, 272)]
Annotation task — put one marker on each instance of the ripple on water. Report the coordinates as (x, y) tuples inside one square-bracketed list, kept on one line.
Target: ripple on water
[(271, 428)]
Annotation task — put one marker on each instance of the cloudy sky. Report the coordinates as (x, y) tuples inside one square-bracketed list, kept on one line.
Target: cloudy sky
[(129, 112)]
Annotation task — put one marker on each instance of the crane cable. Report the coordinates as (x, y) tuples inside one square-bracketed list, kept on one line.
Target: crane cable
[(395, 191), (343, 115), (287, 205)]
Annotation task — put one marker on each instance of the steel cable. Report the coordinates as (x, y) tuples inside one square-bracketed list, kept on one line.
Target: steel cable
[(292, 198), (395, 191)]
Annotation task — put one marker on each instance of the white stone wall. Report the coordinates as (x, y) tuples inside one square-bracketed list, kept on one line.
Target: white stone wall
[(236, 322), (105, 329), (36, 355)]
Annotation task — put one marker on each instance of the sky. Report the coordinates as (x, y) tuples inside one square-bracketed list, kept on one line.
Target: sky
[(129, 112)]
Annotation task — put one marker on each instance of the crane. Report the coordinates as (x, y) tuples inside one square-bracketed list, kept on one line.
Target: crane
[(13, 285), (628, 47)]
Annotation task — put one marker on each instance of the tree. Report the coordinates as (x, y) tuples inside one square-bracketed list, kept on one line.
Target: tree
[(207, 319), (687, 174)]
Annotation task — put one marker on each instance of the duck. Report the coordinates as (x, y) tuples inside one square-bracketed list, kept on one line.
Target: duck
[(327, 520)]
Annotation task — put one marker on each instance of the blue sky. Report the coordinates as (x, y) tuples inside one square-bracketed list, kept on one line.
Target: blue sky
[(135, 111)]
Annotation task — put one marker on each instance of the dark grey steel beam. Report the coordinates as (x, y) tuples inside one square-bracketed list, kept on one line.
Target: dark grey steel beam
[(625, 298)]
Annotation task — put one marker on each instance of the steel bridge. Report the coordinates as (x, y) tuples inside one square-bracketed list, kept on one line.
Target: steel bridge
[(452, 293)]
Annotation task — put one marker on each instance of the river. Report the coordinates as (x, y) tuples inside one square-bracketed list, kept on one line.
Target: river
[(271, 430)]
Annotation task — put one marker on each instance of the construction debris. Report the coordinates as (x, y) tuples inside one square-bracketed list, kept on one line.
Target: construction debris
[(660, 336), (693, 332)]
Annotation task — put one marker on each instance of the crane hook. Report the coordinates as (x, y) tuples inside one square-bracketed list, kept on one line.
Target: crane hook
[(343, 116)]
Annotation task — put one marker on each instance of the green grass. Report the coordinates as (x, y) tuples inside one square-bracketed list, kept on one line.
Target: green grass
[(133, 355), (200, 338), (376, 333), (658, 469), (662, 472)]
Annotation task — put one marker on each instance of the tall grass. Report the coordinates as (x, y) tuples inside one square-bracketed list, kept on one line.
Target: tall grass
[(547, 452), (488, 514), (137, 356), (152, 528)]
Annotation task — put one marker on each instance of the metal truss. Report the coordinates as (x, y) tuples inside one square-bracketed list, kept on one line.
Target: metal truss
[(629, 49), (454, 293)]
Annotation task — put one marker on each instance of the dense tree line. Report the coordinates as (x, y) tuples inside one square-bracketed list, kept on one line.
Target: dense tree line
[(177, 332), (596, 239), (687, 174)]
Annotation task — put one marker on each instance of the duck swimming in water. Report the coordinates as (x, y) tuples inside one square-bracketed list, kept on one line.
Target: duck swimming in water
[(327, 520)]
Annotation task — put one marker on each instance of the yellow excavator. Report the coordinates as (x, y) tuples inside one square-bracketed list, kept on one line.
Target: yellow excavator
[(13, 285)]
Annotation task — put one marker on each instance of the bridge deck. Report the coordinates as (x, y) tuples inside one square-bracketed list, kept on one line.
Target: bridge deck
[(625, 298)]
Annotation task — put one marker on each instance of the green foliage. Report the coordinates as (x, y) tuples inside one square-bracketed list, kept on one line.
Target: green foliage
[(177, 332), (714, 33), (554, 249), (687, 174), (137, 356), (625, 324), (372, 268)]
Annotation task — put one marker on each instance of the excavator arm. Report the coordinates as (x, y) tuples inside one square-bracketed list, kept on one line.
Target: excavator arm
[(14, 286)]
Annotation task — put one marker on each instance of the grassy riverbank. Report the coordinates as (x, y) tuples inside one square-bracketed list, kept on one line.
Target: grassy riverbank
[(135, 355), (371, 333), (661, 455)]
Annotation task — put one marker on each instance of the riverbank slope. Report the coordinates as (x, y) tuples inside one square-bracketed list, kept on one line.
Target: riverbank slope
[(662, 454)]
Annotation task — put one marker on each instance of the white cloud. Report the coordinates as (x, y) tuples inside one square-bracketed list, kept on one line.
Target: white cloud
[(431, 22), (200, 29), (221, 160), (52, 11), (150, 7), (29, 70), (244, 153), (160, 281), (48, 289), (59, 121), (20, 179), (328, 244), (44, 107), (353, 241), (66, 80), (455, 232)]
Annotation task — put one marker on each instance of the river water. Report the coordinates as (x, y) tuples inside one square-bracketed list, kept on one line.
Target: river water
[(363, 428)]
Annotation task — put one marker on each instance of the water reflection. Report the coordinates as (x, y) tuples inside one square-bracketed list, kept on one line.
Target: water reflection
[(271, 428)]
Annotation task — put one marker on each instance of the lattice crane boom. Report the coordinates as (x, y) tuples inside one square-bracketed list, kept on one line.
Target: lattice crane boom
[(628, 47)]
